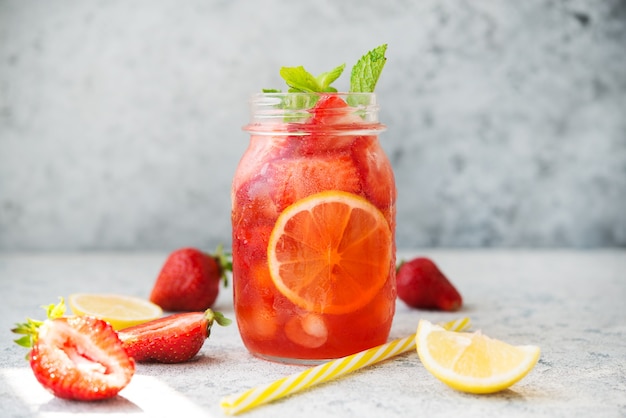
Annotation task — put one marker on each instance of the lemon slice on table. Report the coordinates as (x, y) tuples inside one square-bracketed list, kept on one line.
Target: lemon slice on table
[(472, 362), (330, 252), (118, 310)]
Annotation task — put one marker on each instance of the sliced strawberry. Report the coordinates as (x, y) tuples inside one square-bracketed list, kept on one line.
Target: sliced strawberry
[(331, 109), (252, 204), (250, 244), (286, 180), (262, 148), (80, 358), (294, 179), (329, 126), (171, 339), (375, 172)]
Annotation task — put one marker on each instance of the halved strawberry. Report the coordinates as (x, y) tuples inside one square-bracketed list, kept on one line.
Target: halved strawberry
[(77, 358), (171, 339)]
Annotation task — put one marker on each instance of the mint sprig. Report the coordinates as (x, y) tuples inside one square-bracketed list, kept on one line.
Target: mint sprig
[(327, 78), (367, 70), (363, 78), (300, 80)]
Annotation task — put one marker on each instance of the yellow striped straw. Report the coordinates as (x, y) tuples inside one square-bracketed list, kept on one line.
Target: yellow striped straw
[(234, 404)]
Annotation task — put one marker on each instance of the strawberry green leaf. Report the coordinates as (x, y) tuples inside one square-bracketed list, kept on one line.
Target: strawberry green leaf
[(367, 70), (25, 341), (55, 311), (30, 328), (224, 261)]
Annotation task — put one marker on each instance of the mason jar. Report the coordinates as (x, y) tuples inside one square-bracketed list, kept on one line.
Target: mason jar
[(313, 228)]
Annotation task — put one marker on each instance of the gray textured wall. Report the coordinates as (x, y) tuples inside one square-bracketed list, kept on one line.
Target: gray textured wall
[(120, 121)]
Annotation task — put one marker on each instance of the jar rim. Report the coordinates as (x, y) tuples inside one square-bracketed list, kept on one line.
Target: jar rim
[(313, 93), (277, 98), (356, 110)]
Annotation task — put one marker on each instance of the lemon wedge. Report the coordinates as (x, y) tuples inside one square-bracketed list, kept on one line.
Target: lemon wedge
[(118, 310), (472, 362)]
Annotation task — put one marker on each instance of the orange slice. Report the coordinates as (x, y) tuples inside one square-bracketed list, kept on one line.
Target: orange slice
[(330, 252)]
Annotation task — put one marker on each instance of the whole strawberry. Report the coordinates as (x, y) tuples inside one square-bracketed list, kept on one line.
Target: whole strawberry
[(171, 339), (78, 358), (422, 285), (190, 280)]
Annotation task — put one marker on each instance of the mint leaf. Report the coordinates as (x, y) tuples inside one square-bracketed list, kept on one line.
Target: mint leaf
[(300, 80), (327, 78), (363, 79), (366, 71)]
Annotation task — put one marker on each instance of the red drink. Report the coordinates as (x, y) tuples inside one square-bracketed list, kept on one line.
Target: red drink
[(313, 229)]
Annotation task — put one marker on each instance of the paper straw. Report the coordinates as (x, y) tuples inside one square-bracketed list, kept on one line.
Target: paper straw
[(294, 383)]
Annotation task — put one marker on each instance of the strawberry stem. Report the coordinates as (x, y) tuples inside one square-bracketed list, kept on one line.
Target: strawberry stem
[(212, 316), (30, 329), (224, 262), (221, 319)]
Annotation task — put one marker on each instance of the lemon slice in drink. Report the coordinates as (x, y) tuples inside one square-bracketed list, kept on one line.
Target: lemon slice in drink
[(118, 310), (330, 252), (472, 362)]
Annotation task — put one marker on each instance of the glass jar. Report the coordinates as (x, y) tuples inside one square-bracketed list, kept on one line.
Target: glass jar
[(313, 228)]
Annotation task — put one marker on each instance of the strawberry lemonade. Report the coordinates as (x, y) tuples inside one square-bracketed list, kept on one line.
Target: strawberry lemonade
[(313, 227)]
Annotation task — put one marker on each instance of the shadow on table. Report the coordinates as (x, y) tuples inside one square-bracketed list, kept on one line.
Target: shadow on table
[(118, 404)]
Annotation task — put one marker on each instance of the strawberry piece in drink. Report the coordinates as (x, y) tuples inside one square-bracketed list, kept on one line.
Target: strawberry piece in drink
[(375, 172), (330, 114), (293, 179)]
